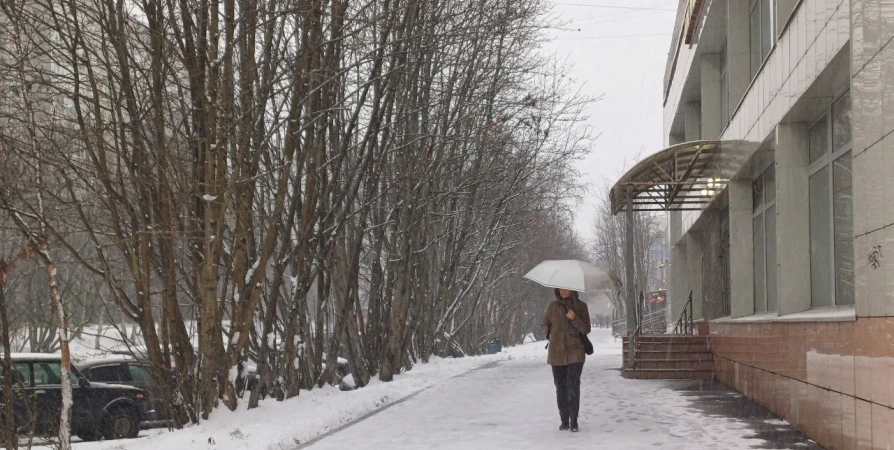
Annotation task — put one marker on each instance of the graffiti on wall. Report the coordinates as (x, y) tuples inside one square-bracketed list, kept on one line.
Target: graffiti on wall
[(875, 257)]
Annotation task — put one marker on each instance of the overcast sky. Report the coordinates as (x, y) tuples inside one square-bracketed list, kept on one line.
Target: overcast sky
[(618, 49)]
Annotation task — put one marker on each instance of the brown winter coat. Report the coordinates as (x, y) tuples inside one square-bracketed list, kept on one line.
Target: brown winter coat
[(565, 346)]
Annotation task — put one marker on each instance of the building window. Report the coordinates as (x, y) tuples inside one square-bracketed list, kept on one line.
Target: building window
[(763, 190), (831, 207), (724, 89), (761, 33), (784, 11)]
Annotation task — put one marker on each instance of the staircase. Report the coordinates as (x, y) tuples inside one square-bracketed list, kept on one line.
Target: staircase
[(670, 357)]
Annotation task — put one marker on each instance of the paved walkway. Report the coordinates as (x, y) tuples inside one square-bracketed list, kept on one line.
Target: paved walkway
[(511, 405)]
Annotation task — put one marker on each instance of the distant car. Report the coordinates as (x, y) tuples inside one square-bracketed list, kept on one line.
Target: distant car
[(251, 378), (128, 371), (98, 410)]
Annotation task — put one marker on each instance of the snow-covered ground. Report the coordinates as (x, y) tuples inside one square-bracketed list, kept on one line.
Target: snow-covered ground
[(285, 425), (487, 402), (511, 405)]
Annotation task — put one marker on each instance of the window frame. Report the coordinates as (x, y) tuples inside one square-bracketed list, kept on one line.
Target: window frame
[(725, 112), (770, 31), (121, 371), (761, 213), (781, 25), (827, 160), (26, 382), (74, 374), (141, 367)]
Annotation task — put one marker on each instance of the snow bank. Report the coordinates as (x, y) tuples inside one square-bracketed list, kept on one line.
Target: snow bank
[(284, 425)]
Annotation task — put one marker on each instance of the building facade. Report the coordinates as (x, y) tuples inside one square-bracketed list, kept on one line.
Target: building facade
[(788, 264)]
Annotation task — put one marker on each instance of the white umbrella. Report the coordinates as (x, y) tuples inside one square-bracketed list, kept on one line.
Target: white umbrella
[(569, 274)]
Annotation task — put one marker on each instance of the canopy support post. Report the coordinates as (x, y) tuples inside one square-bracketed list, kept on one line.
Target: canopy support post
[(628, 260)]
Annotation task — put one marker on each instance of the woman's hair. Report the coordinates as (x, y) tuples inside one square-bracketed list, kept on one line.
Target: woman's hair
[(559, 296)]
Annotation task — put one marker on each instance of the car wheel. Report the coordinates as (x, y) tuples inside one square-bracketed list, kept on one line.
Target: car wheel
[(121, 423), (87, 435)]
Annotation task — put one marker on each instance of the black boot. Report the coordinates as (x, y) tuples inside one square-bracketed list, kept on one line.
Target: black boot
[(574, 428), (564, 426)]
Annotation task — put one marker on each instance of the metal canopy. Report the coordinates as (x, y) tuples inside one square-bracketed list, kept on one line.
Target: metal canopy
[(682, 177)]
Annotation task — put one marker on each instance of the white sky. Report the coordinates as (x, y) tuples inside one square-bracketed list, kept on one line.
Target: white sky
[(618, 49)]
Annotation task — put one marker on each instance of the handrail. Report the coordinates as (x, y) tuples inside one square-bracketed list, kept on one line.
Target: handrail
[(684, 321), (638, 315), (655, 321)]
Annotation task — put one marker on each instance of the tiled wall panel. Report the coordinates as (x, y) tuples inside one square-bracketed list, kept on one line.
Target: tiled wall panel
[(832, 380)]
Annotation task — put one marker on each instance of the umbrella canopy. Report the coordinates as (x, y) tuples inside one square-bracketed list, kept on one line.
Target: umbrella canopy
[(569, 274)]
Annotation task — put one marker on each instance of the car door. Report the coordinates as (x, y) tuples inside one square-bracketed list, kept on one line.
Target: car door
[(111, 373), (82, 409), (21, 391), (47, 392)]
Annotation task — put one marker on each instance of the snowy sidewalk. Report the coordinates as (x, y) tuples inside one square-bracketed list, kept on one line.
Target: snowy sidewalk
[(511, 405), (487, 402)]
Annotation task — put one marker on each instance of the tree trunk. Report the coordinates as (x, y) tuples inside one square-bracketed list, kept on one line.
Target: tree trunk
[(62, 324), (7, 420)]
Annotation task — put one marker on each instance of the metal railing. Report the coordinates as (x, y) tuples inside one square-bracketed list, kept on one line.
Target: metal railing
[(619, 327), (634, 338), (684, 321), (655, 322)]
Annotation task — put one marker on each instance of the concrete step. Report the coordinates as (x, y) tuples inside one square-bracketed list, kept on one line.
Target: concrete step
[(667, 374), (671, 357), (672, 347), (676, 338), (670, 364), (670, 340), (704, 355)]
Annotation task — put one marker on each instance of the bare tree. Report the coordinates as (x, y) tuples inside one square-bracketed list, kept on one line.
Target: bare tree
[(295, 183), (610, 243)]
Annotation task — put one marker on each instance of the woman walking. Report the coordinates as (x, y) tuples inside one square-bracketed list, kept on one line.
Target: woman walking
[(566, 320)]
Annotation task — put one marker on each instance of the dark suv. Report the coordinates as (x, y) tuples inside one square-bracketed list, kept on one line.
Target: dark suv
[(98, 410), (128, 371)]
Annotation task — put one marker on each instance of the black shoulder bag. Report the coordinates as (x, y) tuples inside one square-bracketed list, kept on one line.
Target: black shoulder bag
[(588, 346)]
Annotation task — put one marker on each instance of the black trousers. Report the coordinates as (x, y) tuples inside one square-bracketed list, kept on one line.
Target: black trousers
[(567, 380)]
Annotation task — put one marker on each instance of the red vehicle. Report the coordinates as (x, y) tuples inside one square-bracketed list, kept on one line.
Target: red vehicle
[(658, 298)]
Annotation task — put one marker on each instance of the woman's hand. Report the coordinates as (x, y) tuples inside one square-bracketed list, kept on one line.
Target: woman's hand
[(570, 314)]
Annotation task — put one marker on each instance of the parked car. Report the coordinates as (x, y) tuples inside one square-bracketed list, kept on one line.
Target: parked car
[(98, 410), (131, 371), (251, 378), (128, 371)]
